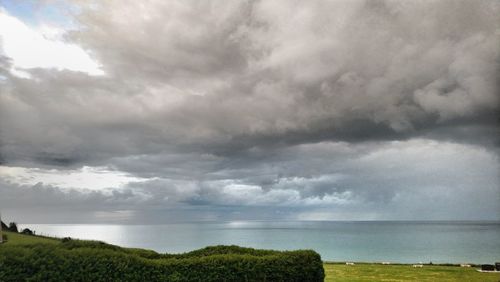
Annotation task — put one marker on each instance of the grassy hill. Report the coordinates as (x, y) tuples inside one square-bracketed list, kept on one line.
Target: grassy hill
[(20, 239)]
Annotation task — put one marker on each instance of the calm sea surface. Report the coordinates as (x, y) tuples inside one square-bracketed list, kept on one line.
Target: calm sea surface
[(439, 242)]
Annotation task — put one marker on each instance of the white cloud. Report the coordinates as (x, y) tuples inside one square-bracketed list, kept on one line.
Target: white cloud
[(41, 47), (90, 178)]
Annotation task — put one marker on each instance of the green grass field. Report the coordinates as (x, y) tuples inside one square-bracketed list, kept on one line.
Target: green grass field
[(378, 272), (20, 239), (360, 272)]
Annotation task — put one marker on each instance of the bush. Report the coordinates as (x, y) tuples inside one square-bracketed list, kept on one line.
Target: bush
[(12, 227), (27, 231), (4, 226), (488, 267), (220, 250), (97, 261)]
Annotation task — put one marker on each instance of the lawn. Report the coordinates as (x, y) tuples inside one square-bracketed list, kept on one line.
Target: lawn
[(20, 239), (379, 272)]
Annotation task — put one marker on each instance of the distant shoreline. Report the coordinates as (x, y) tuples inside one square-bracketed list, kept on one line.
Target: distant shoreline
[(264, 221)]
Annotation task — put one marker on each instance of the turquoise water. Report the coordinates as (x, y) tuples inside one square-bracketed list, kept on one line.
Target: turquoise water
[(439, 242)]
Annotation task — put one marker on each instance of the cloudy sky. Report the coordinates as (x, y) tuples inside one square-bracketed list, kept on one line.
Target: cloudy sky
[(165, 111)]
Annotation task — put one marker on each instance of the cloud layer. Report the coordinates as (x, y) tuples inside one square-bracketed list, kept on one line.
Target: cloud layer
[(326, 109)]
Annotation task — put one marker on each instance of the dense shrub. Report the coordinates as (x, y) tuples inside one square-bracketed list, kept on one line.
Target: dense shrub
[(27, 231), (220, 250), (12, 227), (488, 267), (77, 260)]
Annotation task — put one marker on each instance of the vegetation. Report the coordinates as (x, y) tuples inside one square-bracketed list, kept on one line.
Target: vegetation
[(34, 258), (11, 227), (20, 239), (27, 231), (366, 272)]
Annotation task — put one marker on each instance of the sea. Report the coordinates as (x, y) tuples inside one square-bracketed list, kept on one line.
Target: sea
[(367, 241)]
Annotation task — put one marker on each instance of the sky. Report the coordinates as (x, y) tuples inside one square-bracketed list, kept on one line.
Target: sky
[(133, 112)]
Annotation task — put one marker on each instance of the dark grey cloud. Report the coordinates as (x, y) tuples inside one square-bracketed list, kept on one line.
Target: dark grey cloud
[(422, 179), (225, 78), (324, 107)]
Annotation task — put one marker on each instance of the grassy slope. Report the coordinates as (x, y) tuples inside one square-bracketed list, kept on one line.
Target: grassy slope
[(358, 272), (378, 272), (20, 239)]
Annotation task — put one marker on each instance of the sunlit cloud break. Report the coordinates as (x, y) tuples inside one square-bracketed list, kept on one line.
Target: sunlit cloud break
[(41, 47)]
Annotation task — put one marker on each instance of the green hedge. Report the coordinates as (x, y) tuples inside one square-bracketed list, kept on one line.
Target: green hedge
[(95, 261)]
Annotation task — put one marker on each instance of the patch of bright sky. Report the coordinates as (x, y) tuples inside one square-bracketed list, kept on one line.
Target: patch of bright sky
[(32, 35), (36, 12), (92, 178)]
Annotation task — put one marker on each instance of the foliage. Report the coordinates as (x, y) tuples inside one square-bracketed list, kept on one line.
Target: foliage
[(219, 250), (27, 231), (97, 261), (12, 227), (4, 226), (488, 267)]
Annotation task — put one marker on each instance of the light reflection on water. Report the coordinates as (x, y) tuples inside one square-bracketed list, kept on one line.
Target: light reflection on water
[(453, 242)]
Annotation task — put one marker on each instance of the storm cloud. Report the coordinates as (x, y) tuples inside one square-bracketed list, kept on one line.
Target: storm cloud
[(258, 110)]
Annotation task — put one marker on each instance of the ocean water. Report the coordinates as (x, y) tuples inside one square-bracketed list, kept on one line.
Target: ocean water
[(373, 241)]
